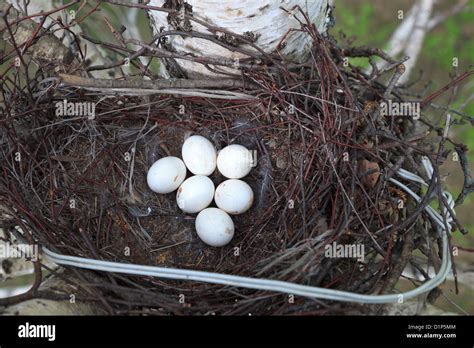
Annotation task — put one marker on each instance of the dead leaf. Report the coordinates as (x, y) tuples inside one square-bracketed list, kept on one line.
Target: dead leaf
[(373, 168)]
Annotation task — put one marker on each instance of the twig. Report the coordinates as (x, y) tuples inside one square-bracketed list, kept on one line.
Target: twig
[(77, 81)]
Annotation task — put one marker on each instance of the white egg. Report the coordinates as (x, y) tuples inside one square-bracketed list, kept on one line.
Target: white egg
[(166, 174), (215, 227), (234, 196), (195, 194), (199, 155), (234, 161)]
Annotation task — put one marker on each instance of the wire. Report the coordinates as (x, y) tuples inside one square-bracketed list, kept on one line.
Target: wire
[(282, 286)]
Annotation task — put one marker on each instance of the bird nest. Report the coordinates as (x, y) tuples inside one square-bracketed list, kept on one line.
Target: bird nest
[(76, 182)]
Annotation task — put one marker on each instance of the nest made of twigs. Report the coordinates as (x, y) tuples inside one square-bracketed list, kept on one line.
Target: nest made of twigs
[(324, 157)]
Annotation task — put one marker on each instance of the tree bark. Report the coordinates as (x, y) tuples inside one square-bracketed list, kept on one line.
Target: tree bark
[(263, 22)]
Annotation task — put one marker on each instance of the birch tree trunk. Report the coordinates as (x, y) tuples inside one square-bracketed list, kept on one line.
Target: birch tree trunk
[(264, 21)]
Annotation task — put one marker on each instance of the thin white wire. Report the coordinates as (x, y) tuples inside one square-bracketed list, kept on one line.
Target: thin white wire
[(410, 176), (282, 286)]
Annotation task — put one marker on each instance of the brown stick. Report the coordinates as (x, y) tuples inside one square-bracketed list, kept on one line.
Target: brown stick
[(152, 85), (440, 91)]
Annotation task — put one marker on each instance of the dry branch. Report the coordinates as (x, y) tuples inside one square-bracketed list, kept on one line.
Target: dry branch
[(27, 35)]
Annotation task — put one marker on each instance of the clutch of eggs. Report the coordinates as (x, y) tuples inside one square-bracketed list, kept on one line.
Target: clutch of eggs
[(214, 226)]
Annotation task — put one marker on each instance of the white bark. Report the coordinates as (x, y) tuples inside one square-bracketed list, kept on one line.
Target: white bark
[(39, 306), (407, 39), (401, 36), (51, 307), (263, 18), (414, 307), (415, 44)]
